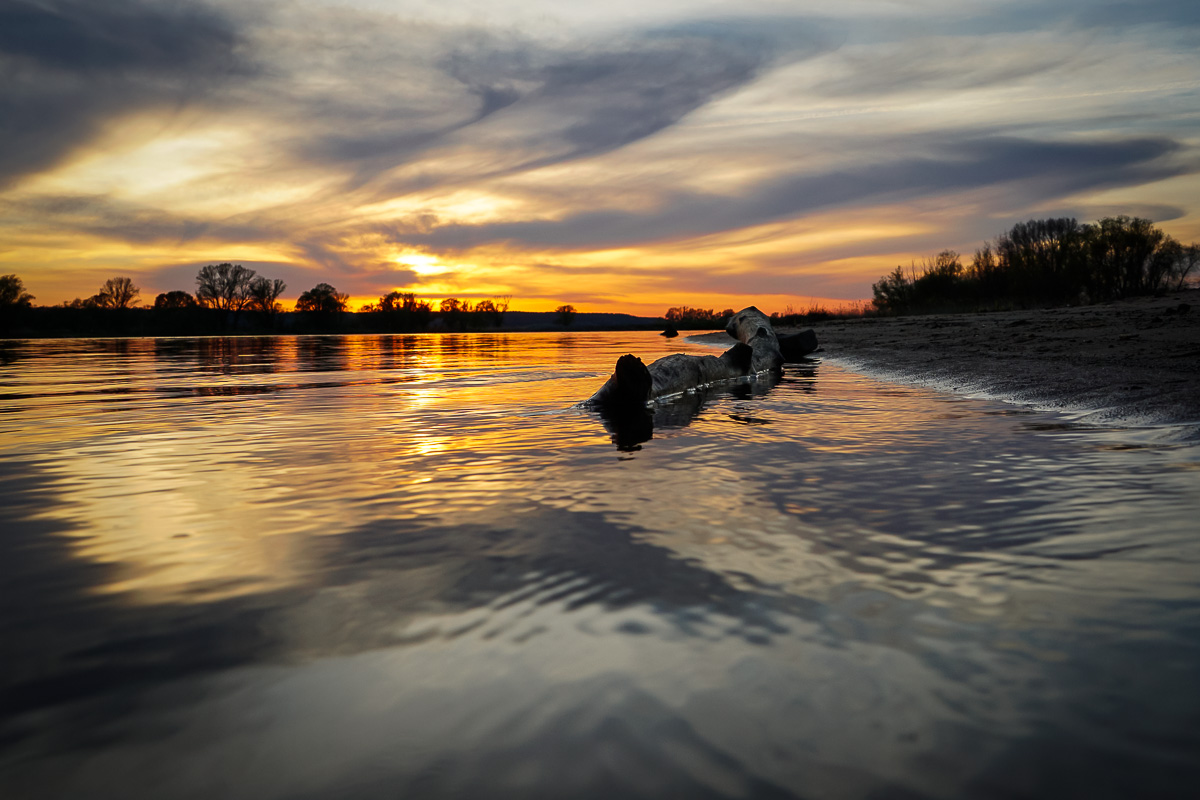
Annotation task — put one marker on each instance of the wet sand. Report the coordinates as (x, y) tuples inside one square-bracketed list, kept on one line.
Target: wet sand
[(1132, 362)]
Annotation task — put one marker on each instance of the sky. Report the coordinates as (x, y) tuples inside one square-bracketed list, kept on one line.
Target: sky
[(627, 156)]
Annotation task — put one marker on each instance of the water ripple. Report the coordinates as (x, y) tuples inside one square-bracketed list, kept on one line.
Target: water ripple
[(409, 565)]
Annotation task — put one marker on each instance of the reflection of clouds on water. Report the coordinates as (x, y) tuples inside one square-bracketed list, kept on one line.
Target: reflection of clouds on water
[(484, 658), (413, 567)]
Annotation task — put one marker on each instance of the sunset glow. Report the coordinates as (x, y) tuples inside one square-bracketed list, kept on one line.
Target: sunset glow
[(626, 159)]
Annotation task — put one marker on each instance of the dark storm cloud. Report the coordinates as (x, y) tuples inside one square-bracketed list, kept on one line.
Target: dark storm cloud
[(1042, 170), (69, 66)]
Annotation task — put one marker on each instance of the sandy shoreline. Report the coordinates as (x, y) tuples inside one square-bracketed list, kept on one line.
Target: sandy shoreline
[(1132, 362)]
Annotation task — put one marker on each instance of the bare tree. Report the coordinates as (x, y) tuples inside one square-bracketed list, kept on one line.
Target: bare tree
[(1186, 259), (117, 293), (264, 292), (224, 286)]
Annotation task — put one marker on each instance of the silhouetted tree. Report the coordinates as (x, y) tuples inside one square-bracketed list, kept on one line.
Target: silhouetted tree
[(404, 302), (402, 311), (453, 312), (566, 314), (392, 302), (1129, 256), (489, 313), (174, 300), (264, 292), (688, 317), (224, 286), (1045, 262), (1186, 260), (893, 292), (117, 293), (1044, 259), (940, 280), (12, 292), (322, 298)]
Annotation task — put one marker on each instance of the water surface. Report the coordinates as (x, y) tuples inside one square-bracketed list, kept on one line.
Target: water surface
[(407, 566)]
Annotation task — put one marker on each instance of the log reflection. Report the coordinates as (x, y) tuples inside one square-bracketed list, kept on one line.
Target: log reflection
[(629, 428)]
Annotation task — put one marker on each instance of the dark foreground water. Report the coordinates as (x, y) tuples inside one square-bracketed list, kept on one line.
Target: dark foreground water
[(406, 567)]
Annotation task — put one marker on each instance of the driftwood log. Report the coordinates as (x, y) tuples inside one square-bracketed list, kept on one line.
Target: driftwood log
[(633, 384)]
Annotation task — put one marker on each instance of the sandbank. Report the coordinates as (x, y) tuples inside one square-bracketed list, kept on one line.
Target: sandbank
[(1132, 362)]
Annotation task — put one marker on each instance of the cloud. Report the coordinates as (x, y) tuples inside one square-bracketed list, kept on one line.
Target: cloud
[(339, 136), (1122, 14), (1018, 16), (615, 95), (117, 35), (517, 103), (1043, 169), (946, 64), (109, 218), (69, 66)]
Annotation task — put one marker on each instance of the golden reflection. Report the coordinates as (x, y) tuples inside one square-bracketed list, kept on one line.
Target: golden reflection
[(187, 494), (173, 532)]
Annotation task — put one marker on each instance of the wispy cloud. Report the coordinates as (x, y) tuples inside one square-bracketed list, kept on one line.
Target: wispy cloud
[(69, 66), (1041, 168)]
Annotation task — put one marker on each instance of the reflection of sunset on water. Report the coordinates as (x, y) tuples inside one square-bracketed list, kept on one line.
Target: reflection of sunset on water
[(292, 546), (225, 465)]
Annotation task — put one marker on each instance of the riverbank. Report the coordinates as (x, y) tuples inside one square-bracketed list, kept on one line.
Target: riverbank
[(1129, 362)]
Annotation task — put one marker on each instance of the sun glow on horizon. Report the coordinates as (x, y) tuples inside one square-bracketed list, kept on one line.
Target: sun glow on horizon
[(766, 160), (423, 263)]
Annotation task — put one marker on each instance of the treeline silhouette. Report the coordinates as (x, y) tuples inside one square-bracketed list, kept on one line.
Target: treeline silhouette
[(1044, 262), (233, 299), (695, 319)]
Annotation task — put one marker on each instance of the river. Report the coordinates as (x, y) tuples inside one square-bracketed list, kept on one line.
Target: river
[(410, 566)]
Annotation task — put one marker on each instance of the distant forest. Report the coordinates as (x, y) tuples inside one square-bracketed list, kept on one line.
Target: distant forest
[(233, 299), (1043, 263)]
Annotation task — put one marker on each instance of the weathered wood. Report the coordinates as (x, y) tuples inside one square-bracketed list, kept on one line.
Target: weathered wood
[(630, 427), (633, 384), (751, 326)]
